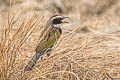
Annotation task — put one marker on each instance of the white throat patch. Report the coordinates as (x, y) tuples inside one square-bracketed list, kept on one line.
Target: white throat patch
[(57, 25)]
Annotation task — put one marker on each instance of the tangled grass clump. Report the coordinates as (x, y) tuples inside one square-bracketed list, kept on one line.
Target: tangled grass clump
[(15, 31)]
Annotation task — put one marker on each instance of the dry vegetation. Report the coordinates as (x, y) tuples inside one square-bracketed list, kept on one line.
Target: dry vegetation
[(89, 48)]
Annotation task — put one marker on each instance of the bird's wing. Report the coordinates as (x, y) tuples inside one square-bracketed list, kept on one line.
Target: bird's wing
[(50, 37)]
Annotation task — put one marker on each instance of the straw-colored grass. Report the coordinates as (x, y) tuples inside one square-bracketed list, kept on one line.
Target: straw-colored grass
[(89, 56), (14, 35)]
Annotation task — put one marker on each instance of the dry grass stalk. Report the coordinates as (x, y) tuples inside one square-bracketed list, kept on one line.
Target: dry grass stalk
[(11, 42)]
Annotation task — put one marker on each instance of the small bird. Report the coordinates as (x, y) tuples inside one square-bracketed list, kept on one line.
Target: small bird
[(50, 36)]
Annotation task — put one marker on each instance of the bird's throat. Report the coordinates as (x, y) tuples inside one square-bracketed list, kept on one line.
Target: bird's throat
[(57, 25)]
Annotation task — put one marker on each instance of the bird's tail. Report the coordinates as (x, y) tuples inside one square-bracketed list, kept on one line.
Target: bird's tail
[(33, 61)]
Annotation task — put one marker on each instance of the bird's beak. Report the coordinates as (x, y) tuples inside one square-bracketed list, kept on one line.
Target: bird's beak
[(65, 17), (63, 21)]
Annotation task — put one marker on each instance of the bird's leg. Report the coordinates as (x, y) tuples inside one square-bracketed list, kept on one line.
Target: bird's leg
[(41, 58), (48, 51), (48, 54)]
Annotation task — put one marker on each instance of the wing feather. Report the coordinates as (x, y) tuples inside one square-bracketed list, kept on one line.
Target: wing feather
[(50, 37)]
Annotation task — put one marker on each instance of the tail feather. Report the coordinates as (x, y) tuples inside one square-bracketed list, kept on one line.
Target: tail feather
[(33, 61)]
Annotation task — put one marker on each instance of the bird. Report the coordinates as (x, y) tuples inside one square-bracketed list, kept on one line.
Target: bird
[(50, 37)]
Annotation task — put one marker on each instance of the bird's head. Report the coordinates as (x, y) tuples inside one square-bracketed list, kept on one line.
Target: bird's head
[(56, 21)]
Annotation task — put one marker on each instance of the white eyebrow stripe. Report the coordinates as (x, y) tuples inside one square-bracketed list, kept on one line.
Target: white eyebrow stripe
[(56, 17)]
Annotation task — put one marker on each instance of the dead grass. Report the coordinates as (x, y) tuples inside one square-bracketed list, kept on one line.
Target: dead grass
[(89, 56), (15, 32)]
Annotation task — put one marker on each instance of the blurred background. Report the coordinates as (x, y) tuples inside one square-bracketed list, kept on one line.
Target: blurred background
[(89, 48), (83, 13)]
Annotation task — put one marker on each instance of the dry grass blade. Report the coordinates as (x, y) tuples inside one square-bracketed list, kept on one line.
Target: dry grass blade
[(12, 42)]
